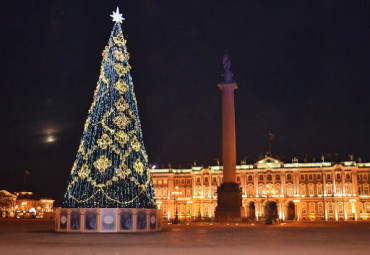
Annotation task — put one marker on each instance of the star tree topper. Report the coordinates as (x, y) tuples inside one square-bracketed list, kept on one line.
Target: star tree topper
[(117, 17)]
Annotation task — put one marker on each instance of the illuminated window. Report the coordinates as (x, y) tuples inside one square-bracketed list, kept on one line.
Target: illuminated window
[(261, 177), (366, 189), (269, 177), (278, 177), (312, 208), (329, 189), (304, 208), (320, 208), (250, 191), (319, 188), (339, 189), (250, 178), (165, 181), (289, 177), (331, 208), (311, 189)]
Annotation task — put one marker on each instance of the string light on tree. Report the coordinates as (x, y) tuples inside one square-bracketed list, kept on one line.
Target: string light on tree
[(111, 166)]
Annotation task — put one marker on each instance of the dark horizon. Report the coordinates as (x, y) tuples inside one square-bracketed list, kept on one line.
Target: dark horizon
[(302, 69)]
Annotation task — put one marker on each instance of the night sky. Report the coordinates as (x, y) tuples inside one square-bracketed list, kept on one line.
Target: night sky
[(302, 67)]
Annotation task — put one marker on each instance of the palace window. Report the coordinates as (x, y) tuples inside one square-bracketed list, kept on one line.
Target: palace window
[(198, 180), (277, 177), (366, 189), (261, 177), (206, 179), (160, 182), (238, 178), (302, 176), (338, 176), (347, 176), (214, 179), (177, 182), (311, 189), (182, 181), (269, 177), (188, 181), (329, 189), (312, 208), (358, 177), (340, 208), (310, 177), (304, 208), (328, 176), (339, 189), (250, 178), (331, 208), (319, 176), (250, 191), (319, 188), (165, 181), (289, 177), (348, 188), (289, 190), (320, 208), (365, 177)]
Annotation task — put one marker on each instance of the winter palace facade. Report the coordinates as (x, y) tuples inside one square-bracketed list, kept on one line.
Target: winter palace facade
[(295, 191)]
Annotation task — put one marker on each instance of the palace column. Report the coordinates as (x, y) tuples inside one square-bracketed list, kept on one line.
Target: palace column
[(229, 196)]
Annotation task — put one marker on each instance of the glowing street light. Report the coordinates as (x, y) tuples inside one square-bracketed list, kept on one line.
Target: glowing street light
[(176, 193)]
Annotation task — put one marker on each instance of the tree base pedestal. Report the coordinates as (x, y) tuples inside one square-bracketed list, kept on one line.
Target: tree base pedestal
[(229, 203), (107, 220)]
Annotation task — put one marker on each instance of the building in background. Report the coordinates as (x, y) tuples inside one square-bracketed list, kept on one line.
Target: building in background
[(31, 205), (7, 203), (25, 205), (294, 191)]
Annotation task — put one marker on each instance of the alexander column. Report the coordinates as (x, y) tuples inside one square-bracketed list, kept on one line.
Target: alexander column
[(229, 196)]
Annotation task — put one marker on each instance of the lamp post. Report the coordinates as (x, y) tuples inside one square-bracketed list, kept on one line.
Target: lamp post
[(269, 191), (176, 193)]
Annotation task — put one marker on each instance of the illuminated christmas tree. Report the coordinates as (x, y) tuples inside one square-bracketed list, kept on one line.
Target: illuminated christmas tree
[(111, 166)]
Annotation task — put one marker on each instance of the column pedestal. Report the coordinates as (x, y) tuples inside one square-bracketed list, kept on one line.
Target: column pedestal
[(229, 198)]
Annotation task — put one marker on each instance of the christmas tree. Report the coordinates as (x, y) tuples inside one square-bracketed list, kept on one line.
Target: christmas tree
[(111, 166)]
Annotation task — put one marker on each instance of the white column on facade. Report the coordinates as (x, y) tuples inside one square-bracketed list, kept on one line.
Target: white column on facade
[(255, 175)]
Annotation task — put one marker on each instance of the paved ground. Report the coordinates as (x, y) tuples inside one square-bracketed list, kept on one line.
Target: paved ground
[(37, 237)]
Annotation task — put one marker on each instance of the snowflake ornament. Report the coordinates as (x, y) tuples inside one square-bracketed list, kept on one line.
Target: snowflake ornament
[(117, 17)]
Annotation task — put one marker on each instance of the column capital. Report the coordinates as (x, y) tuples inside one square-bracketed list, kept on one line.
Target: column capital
[(226, 85)]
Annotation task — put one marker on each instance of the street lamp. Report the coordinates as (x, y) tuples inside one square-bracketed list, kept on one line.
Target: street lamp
[(176, 193), (269, 191)]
